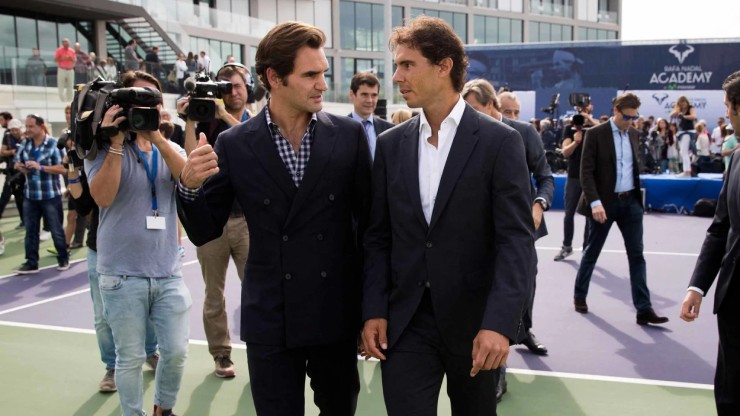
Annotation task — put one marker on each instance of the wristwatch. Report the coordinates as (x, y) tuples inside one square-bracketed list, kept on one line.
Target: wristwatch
[(545, 206)]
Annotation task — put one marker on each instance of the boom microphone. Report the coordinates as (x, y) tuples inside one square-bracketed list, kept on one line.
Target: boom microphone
[(189, 84)]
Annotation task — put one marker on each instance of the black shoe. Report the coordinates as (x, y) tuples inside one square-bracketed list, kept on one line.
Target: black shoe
[(580, 304), (650, 317), (534, 345), (27, 269), (564, 252), (500, 389)]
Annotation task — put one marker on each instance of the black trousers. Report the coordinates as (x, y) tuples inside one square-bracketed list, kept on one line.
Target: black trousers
[(414, 368), (727, 377), (277, 376)]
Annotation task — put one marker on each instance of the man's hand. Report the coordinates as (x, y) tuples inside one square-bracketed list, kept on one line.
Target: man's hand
[(374, 338), (202, 163), (599, 214), (33, 165), (20, 167), (155, 137), (578, 136), (537, 211), (691, 305), (490, 350), (183, 104), (110, 119)]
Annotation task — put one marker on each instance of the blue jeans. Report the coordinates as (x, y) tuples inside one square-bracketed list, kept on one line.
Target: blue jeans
[(51, 210), (130, 302), (627, 213), (102, 330)]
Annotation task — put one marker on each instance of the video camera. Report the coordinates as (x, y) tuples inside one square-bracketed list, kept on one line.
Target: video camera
[(203, 91), (579, 99), (92, 101), (72, 155), (554, 103)]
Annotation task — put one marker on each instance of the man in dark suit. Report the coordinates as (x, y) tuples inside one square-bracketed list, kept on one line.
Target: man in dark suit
[(718, 255), (449, 246), (611, 193), (363, 94), (480, 95), (302, 178)]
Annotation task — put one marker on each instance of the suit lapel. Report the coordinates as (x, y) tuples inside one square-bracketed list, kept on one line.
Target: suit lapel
[(410, 167), (324, 137), (267, 154), (462, 146)]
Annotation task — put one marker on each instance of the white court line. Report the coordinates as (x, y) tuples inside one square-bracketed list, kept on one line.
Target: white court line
[(42, 268), (538, 373), (41, 302), (652, 253)]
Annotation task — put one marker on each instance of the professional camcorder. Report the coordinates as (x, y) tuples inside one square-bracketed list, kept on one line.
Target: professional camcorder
[(203, 91), (72, 155), (92, 101), (579, 99), (554, 103)]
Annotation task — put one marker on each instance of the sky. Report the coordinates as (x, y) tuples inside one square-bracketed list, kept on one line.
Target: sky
[(680, 19)]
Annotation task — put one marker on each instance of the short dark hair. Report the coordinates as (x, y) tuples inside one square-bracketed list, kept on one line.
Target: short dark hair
[(627, 100), (364, 78), (731, 85), (278, 49), (6, 115), (131, 41), (39, 120), (435, 40), (128, 79)]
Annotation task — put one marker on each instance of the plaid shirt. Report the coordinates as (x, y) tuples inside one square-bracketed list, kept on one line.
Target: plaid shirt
[(40, 185), (296, 164)]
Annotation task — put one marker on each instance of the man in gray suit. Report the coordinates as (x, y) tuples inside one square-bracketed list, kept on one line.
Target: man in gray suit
[(718, 255), (480, 95), (363, 93)]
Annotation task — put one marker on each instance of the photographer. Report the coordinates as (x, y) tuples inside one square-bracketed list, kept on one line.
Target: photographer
[(234, 241), (571, 146), (39, 159), (14, 180), (132, 180), (76, 223)]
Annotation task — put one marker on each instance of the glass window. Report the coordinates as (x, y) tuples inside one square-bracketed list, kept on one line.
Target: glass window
[(397, 16), (26, 34), (534, 31), (556, 33), (504, 30), (378, 36), (47, 36), (461, 26), (516, 31), (347, 20), (363, 26), (479, 29), (66, 30), (7, 31)]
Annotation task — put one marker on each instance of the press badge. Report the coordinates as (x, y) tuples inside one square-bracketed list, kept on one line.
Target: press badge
[(155, 223)]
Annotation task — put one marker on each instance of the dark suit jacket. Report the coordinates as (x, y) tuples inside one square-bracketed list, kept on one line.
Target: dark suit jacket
[(302, 279), (475, 254), (721, 246), (599, 167), (379, 124), (537, 165)]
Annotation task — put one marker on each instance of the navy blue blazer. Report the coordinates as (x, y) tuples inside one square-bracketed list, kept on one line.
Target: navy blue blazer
[(475, 254), (302, 279)]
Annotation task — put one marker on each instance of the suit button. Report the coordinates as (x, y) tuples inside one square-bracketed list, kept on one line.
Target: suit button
[(323, 274), (266, 201), (320, 237), (285, 238), (420, 283), (429, 244), (428, 284), (288, 276), (331, 197)]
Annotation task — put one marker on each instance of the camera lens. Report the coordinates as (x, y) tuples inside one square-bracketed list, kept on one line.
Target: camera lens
[(138, 120)]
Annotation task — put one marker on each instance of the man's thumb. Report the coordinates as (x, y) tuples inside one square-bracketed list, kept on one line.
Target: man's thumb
[(202, 141)]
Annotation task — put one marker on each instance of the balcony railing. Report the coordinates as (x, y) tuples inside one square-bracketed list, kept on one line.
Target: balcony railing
[(550, 8)]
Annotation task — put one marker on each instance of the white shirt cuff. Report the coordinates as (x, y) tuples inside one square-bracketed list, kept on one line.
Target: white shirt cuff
[(696, 289)]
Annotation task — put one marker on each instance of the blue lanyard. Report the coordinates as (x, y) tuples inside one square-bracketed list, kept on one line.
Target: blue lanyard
[(152, 175), (245, 116)]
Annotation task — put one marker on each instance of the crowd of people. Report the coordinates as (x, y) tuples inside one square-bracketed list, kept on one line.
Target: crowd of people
[(411, 242)]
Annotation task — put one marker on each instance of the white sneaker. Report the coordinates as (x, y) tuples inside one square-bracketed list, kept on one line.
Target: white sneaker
[(45, 236)]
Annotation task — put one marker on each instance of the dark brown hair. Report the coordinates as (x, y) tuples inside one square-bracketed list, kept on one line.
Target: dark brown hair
[(364, 78), (627, 100), (732, 89), (128, 79), (435, 40), (278, 49)]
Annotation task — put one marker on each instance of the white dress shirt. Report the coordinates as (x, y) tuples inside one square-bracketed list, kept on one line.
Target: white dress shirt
[(432, 159)]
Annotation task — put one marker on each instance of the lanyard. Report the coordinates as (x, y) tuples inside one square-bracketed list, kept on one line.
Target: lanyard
[(151, 175), (245, 116)]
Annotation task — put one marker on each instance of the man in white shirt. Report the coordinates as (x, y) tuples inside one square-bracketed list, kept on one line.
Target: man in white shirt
[(716, 139), (450, 240)]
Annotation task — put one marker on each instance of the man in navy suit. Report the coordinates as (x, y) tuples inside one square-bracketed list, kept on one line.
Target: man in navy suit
[(449, 246), (480, 95), (302, 178), (363, 93), (719, 254)]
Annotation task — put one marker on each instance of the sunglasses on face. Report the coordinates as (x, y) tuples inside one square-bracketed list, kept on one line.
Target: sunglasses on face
[(630, 118)]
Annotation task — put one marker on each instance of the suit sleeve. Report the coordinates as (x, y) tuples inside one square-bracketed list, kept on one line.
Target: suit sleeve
[(204, 218), (361, 188), (377, 243), (713, 249), (537, 163), (590, 146), (513, 235)]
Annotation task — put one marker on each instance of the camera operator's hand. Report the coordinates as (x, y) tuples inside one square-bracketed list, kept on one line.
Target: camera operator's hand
[(578, 136), (33, 165), (202, 163), (110, 119), (182, 106), (155, 137)]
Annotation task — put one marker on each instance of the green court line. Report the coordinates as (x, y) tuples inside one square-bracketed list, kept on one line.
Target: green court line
[(47, 372)]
